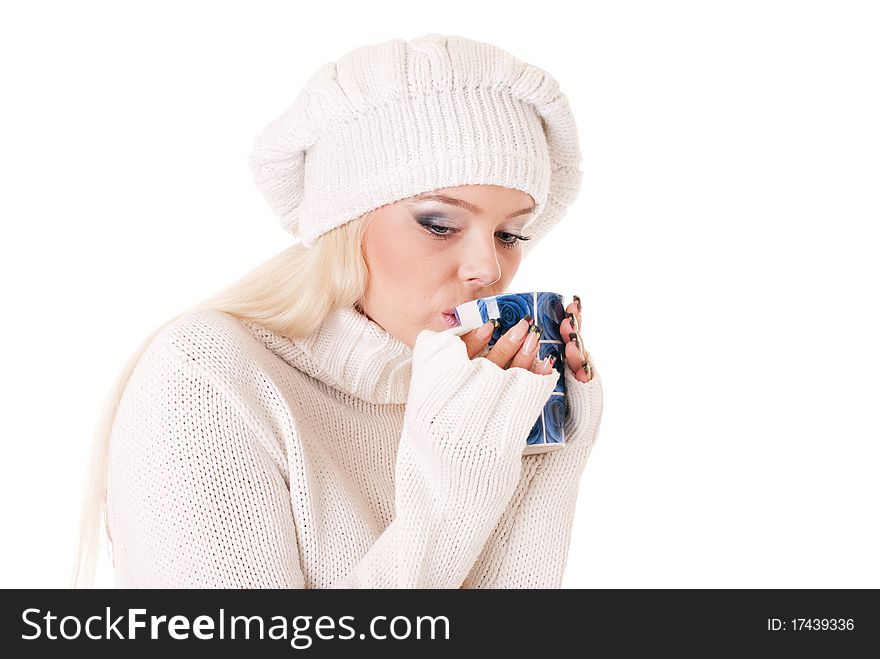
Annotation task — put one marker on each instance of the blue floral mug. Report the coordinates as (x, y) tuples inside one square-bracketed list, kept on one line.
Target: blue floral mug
[(547, 310)]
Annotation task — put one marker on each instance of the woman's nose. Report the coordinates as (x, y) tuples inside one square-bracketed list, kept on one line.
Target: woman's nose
[(481, 262)]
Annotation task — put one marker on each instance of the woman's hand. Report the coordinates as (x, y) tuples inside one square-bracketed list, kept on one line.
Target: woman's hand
[(577, 357), (519, 345)]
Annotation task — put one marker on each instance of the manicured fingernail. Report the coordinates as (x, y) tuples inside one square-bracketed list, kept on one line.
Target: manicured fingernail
[(532, 340), (496, 323), (528, 318), (519, 330), (572, 336), (486, 330), (552, 360), (578, 300), (572, 320)]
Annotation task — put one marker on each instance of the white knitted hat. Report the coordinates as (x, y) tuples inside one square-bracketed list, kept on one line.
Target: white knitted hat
[(400, 118)]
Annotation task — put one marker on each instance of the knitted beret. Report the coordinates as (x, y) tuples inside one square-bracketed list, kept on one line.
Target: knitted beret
[(396, 119)]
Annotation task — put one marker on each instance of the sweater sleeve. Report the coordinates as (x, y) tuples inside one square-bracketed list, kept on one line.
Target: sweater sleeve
[(458, 464), (529, 546), (195, 498)]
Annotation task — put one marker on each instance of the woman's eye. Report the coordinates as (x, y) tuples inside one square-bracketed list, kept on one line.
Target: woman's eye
[(507, 240), (434, 229)]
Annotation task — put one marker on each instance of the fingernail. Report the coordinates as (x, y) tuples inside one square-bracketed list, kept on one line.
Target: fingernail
[(578, 300), (528, 318), (572, 336), (519, 330), (572, 320), (532, 339), (486, 330), (552, 361)]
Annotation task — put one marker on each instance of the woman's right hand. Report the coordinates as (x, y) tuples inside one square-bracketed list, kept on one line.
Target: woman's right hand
[(470, 417), (518, 347)]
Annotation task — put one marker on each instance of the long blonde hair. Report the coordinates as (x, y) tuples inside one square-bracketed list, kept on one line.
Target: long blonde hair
[(291, 294)]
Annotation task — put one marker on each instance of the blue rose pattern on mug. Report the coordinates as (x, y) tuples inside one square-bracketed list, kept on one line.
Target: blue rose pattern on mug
[(547, 310), (508, 309), (555, 349)]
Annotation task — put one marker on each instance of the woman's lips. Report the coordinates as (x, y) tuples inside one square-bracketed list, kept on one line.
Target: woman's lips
[(450, 319)]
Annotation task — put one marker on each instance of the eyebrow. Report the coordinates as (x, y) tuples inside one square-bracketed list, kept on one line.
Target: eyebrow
[(461, 203)]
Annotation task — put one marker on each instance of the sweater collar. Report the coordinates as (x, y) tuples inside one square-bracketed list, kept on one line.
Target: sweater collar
[(349, 352)]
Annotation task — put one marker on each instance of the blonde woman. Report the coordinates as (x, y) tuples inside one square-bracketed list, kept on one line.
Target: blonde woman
[(315, 425)]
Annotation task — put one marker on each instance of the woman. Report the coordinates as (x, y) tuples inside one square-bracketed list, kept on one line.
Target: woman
[(314, 425)]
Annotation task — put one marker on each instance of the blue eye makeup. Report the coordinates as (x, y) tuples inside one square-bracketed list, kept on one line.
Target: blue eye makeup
[(443, 232)]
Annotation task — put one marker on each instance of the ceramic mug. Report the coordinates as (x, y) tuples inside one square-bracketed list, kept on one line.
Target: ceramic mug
[(547, 310)]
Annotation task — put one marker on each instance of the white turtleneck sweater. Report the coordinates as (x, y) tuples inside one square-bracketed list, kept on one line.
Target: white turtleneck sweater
[(240, 458)]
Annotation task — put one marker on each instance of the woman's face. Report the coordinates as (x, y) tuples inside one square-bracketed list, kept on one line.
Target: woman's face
[(429, 253)]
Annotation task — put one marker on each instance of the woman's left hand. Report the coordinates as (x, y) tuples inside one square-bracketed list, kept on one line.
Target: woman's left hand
[(576, 355)]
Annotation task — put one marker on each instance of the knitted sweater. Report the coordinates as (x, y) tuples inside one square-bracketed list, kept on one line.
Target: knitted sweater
[(239, 458)]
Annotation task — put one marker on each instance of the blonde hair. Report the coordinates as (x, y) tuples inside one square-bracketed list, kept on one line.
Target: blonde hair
[(291, 294)]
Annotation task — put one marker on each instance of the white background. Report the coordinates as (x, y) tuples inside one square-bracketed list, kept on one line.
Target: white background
[(724, 245)]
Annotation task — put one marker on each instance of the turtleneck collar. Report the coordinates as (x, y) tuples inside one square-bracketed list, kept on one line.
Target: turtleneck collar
[(349, 352)]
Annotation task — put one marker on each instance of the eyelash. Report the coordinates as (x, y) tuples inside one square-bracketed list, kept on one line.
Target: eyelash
[(428, 226)]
